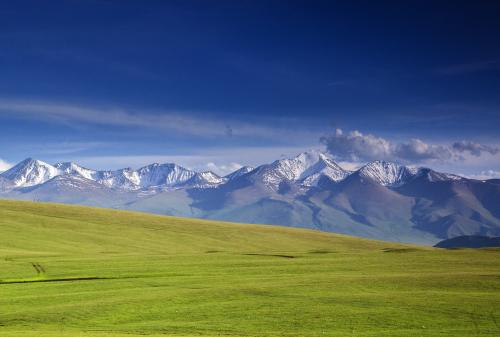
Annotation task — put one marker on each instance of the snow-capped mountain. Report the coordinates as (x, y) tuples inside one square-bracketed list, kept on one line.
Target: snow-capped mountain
[(323, 167), (74, 169), (169, 175), (205, 179), (387, 173), (124, 178), (380, 200), (239, 172), (306, 168), (30, 172)]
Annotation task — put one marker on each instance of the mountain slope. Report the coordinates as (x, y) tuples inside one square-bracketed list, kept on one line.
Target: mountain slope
[(79, 271), (454, 207), (239, 172)]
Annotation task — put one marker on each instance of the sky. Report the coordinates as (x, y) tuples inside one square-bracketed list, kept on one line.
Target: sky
[(220, 84)]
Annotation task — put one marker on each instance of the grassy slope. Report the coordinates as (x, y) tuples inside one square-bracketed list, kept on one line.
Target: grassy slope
[(183, 277)]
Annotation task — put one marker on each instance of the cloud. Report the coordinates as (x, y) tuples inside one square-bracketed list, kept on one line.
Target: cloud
[(223, 169), (474, 148), (349, 165), (485, 175), (185, 123), (117, 117), (415, 150), (355, 146), (4, 166)]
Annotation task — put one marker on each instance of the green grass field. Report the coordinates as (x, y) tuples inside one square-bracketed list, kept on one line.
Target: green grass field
[(76, 271)]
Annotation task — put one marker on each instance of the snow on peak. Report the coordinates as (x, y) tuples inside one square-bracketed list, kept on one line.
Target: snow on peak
[(294, 168), (305, 170), (205, 179), (163, 174), (75, 169), (307, 167), (239, 172), (211, 177), (387, 173), (30, 172), (324, 167)]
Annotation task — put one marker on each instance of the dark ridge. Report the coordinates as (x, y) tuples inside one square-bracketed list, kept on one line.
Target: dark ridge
[(469, 241), (321, 251), (66, 279), (273, 255)]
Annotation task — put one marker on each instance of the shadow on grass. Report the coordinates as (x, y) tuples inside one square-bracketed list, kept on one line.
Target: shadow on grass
[(65, 279), (272, 255), (321, 251)]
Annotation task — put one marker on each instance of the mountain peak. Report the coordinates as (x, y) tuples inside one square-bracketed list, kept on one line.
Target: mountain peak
[(209, 177), (239, 172), (168, 174), (30, 172), (387, 173), (66, 165), (325, 166), (27, 160), (306, 168)]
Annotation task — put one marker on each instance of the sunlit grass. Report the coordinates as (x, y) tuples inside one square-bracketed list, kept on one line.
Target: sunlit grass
[(76, 271)]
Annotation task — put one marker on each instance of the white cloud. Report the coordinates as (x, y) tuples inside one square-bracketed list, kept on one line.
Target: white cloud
[(355, 146), (350, 166), (223, 169), (484, 175), (4, 166), (474, 148), (415, 150)]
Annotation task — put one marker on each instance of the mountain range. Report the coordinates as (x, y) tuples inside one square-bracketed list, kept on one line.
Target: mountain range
[(380, 200)]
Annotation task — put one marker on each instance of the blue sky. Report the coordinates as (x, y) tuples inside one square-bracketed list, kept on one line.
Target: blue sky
[(217, 84)]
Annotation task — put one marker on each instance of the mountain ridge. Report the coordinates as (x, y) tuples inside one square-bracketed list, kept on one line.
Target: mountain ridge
[(306, 168), (380, 200)]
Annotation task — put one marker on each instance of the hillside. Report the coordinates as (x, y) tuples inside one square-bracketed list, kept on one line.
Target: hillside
[(72, 270), (471, 241)]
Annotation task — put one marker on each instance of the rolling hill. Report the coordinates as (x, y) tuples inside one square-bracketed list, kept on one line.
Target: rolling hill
[(80, 271)]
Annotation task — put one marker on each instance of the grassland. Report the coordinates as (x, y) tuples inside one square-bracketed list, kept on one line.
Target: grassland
[(76, 271)]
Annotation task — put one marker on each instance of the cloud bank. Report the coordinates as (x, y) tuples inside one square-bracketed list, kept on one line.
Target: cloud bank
[(485, 175), (474, 149), (355, 146)]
